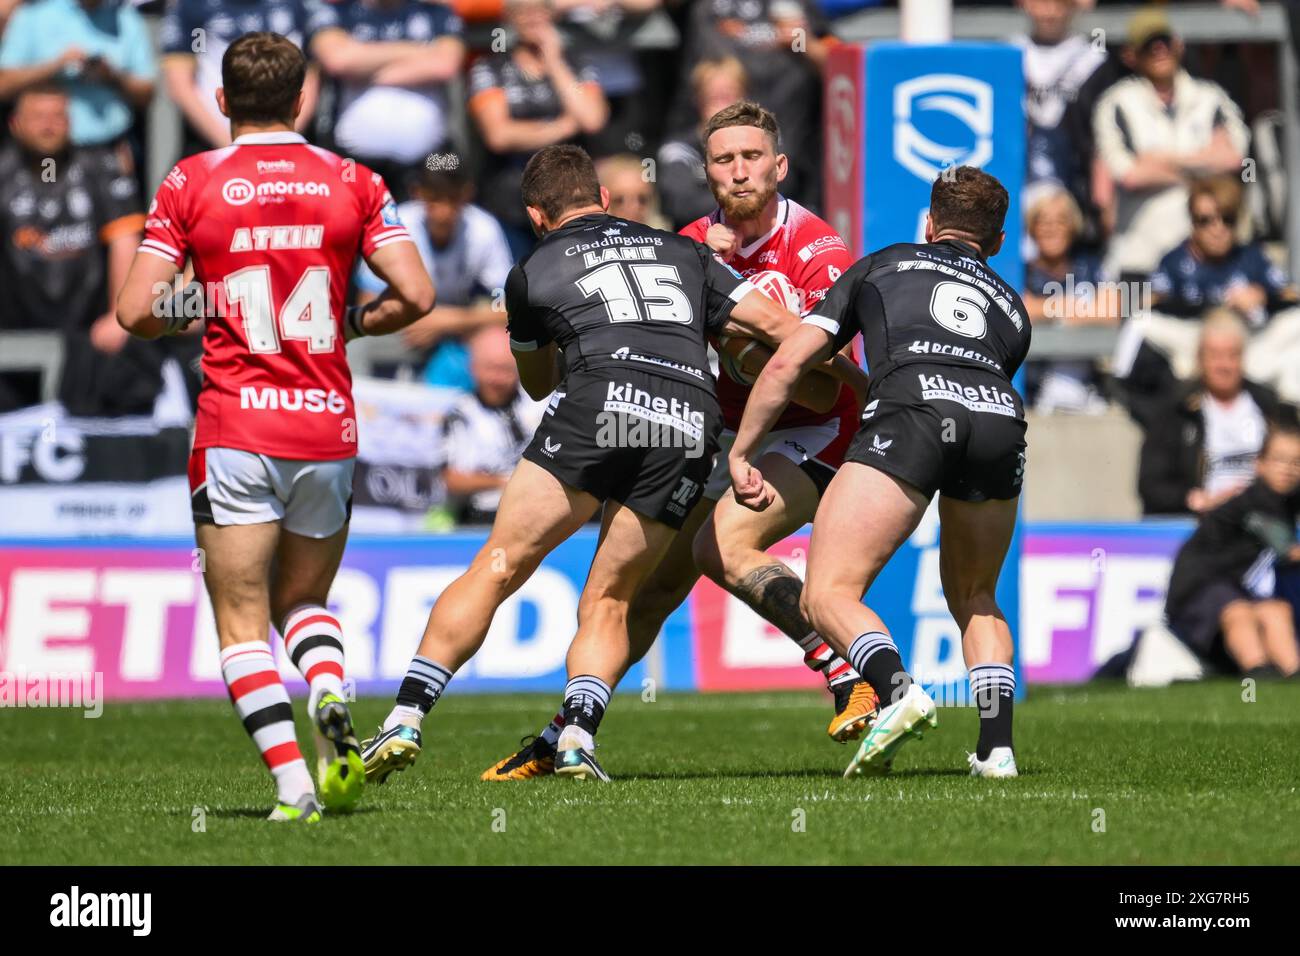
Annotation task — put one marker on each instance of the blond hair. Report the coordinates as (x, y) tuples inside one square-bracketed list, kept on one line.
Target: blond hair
[(705, 70), (1048, 194)]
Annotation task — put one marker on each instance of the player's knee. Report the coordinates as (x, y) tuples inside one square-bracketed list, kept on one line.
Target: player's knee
[(502, 566)]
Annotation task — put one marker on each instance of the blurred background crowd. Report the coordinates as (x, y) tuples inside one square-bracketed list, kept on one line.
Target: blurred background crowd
[(1154, 208)]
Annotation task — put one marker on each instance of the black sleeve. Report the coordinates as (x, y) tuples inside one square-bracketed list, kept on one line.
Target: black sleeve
[(523, 321), (837, 313), (723, 288), (1162, 486), (1019, 359)]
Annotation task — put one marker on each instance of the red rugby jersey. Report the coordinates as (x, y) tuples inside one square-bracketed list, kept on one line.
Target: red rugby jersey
[(274, 227), (808, 252)]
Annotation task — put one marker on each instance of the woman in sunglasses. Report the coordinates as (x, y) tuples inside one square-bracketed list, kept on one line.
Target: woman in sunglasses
[(1212, 268)]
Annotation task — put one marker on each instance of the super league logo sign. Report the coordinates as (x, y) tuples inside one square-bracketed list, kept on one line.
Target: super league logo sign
[(959, 108)]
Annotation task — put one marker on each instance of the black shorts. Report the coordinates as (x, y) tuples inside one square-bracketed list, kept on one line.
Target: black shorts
[(642, 440), (1196, 622), (957, 431)]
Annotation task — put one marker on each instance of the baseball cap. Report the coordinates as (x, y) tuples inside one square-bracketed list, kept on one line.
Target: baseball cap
[(1146, 24)]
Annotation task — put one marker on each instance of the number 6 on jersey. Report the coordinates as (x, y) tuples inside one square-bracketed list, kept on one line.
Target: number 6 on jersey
[(960, 308)]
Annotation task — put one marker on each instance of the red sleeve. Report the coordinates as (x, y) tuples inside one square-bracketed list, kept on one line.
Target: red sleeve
[(382, 224), (820, 260), (696, 230), (165, 230)]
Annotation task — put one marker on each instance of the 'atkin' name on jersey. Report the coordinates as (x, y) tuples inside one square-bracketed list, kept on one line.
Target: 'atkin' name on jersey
[(260, 238)]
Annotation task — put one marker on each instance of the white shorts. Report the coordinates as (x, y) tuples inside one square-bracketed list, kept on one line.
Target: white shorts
[(801, 445), (231, 486)]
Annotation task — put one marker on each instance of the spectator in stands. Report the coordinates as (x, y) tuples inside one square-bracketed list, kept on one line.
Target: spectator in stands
[(71, 221), (488, 429), (1200, 447), (392, 60), (682, 184), (99, 50), (1212, 269), (194, 37), (1154, 132), (1057, 64), (600, 38), (631, 193), (1223, 599), (468, 258), (1065, 287), (523, 100), (783, 45)]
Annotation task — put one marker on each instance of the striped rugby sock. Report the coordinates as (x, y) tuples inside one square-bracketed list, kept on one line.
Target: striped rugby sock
[(262, 704), (314, 640), (423, 684), (585, 700), (993, 689), (839, 671), (820, 657), (552, 732), (875, 657)]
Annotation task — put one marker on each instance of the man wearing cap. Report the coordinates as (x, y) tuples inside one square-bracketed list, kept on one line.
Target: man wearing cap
[(1155, 131)]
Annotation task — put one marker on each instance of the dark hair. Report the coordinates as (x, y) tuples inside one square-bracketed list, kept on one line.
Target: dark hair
[(262, 75), (742, 113), (48, 88), (969, 201), (1284, 423), (450, 183), (560, 178)]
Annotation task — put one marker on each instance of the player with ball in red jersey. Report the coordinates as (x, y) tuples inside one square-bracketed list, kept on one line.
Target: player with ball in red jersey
[(794, 257)]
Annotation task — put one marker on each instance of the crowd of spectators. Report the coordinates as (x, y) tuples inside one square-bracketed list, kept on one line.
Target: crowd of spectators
[(1136, 198)]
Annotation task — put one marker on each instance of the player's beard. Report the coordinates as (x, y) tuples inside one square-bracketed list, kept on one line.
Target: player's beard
[(739, 210)]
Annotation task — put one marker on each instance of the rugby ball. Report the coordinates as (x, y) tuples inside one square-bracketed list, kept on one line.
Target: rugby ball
[(780, 290)]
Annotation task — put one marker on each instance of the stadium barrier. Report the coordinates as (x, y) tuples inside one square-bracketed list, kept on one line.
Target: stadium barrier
[(135, 611)]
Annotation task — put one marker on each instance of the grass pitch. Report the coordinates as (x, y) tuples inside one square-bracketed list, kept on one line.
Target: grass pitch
[(1190, 774)]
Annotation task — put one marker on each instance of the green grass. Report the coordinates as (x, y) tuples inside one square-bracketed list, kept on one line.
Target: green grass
[(1186, 775)]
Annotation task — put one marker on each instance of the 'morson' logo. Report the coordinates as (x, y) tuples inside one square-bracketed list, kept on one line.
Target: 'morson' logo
[(947, 103), (237, 192)]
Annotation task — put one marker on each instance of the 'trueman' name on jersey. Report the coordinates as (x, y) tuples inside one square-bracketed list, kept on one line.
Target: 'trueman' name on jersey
[(997, 293), (940, 348), (261, 238)]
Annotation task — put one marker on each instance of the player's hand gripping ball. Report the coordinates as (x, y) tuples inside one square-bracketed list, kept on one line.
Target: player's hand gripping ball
[(734, 348)]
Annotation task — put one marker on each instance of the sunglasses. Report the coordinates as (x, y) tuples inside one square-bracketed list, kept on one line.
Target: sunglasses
[(1149, 44), (1202, 221)]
